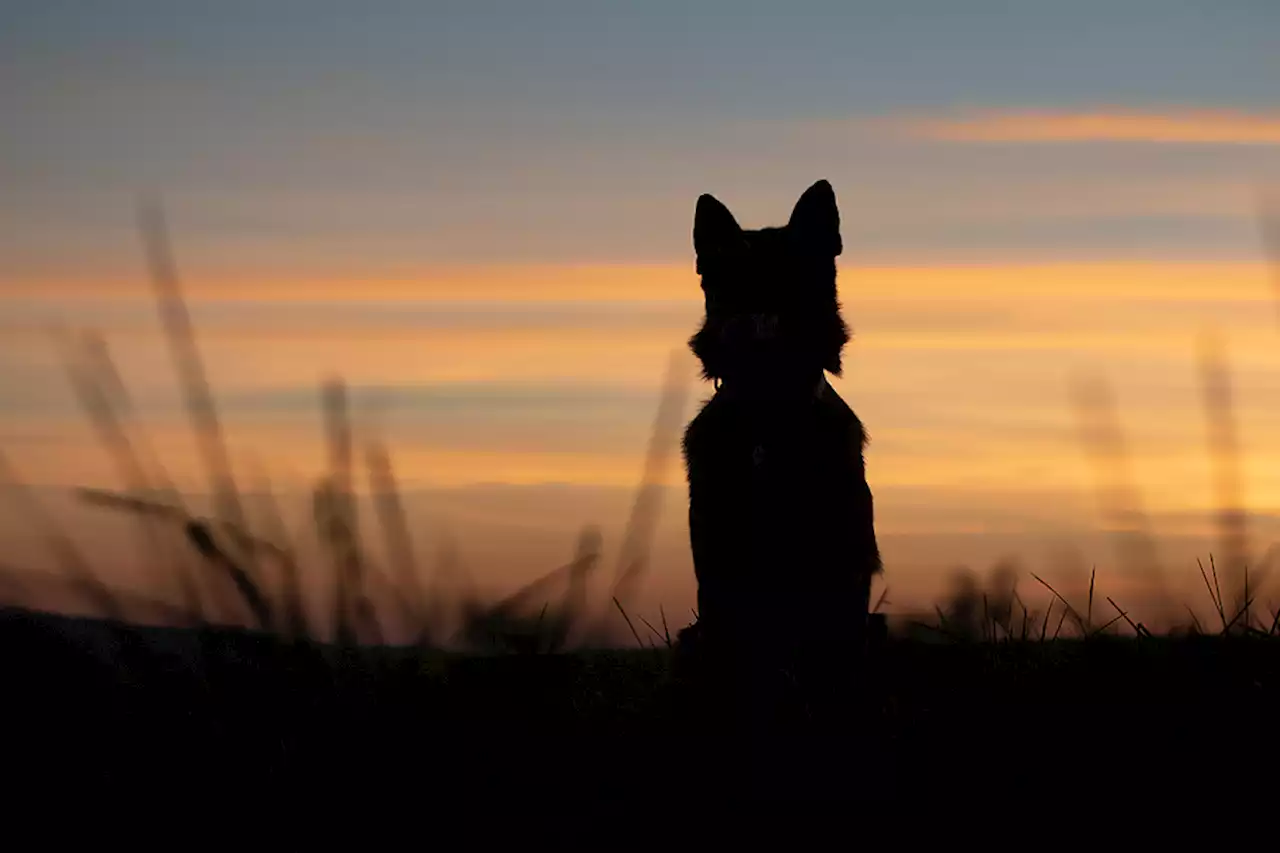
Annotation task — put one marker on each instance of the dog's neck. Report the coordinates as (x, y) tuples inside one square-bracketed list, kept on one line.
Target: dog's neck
[(773, 391)]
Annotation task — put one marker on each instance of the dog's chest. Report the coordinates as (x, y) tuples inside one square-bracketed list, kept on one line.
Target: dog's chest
[(733, 444), (767, 451), (780, 456)]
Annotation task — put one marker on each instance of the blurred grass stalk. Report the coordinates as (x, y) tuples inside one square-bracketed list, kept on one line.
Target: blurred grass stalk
[(1224, 456), (1119, 498)]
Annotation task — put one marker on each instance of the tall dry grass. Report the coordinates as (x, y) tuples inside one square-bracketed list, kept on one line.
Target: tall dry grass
[(224, 570)]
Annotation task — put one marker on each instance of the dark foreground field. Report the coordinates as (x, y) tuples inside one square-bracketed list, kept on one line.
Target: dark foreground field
[(87, 701)]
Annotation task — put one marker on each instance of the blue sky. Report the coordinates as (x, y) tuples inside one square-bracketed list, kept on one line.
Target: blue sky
[(738, 59), (565, 131)]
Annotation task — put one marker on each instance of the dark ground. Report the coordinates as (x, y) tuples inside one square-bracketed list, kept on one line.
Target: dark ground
[(978, 721)]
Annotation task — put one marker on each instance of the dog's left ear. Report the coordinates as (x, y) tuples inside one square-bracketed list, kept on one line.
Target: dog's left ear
[(815, 221)]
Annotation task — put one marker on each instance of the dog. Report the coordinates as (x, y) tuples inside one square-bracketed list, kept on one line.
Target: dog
[(781, 516)]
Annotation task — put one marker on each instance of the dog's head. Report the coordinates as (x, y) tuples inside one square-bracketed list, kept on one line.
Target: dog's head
[(771, 307)]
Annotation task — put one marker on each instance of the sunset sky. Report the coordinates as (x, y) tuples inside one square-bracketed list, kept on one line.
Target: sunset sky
[(480, 215)]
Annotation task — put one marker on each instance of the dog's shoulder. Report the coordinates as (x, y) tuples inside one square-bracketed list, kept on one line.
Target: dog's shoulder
[(717, 420), (838, 419)]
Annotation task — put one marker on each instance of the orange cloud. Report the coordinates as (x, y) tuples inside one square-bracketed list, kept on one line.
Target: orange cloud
[(1216, 127)]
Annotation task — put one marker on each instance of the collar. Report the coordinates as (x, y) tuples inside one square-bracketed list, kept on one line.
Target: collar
[(751, 391)]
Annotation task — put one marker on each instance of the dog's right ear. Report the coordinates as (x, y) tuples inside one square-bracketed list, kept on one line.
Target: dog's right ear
[(715, 232), (815, 221)]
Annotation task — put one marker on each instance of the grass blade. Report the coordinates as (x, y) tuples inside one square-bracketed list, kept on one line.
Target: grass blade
[(202, 540), (395, 528), (1089, 615), (634, 633), (1218, 590), (191, 374), (1069, 609), (1044, 629), (295, 615), (1138, 630)]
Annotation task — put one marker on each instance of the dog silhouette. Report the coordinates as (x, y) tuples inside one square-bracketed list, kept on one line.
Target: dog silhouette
[(780, 513)]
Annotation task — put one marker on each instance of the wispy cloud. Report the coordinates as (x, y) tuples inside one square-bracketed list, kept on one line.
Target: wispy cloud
[(1190, 126)]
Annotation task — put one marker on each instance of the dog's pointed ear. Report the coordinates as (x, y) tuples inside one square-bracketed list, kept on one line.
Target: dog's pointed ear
[(815, 221), (715, 231)]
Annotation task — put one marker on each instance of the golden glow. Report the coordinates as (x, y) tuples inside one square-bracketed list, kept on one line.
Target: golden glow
[(472, 282), (514, 285), (961, 373), (1163, 282), (1218, 127)]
